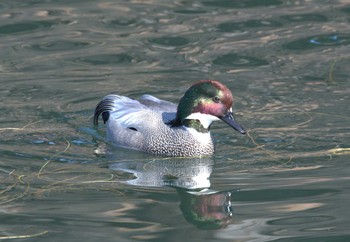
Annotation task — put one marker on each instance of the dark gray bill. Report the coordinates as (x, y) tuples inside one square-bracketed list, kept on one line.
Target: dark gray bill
[(230, 120)]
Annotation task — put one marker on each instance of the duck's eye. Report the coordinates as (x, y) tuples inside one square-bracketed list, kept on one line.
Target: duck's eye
[(216, 99)]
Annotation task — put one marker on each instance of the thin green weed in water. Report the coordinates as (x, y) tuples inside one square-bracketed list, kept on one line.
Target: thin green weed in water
[(53, 156), (26, 236), (290, 156)]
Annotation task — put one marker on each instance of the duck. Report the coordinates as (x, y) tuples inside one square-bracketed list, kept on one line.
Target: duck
[(160, 127)]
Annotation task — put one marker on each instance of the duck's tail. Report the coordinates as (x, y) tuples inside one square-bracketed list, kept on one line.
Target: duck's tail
[(104, 107)]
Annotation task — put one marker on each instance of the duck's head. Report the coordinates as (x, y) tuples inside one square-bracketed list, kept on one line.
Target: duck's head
[(204, 102)]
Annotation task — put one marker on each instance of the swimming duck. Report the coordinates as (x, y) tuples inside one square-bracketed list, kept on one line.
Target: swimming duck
[(160, 127)]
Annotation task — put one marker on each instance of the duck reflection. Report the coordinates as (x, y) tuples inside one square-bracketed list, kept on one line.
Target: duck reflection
[(201, 206), (206, 209), (182, 173)]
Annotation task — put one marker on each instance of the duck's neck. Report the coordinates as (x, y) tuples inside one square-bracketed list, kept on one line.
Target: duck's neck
[(195, 124), (189, 112), (197, 121), (190, 123)]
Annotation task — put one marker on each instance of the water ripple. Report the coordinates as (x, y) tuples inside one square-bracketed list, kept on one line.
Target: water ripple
[(190, 11), (249, 24), (239, 61), (301, 220), (119, 22), (24, 27), (60, 45), (105, 59), (317, 41), (170, 41), (242, 4), (309, 17)]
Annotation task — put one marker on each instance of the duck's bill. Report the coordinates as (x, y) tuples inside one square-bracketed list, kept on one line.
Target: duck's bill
[(230, 120)]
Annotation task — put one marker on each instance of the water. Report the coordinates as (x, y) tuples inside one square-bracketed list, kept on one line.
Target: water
[(287, 65)]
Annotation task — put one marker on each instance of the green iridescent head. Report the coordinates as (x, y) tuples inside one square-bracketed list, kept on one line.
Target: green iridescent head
[(204, 102)]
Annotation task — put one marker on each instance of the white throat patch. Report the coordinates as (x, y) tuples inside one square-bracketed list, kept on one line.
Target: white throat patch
[(205, 119)]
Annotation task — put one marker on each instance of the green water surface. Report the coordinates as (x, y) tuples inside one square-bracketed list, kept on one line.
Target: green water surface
[(287, 64)]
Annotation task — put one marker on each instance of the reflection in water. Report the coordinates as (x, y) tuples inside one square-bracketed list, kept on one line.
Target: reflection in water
[(205, 208), (182, 173)]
